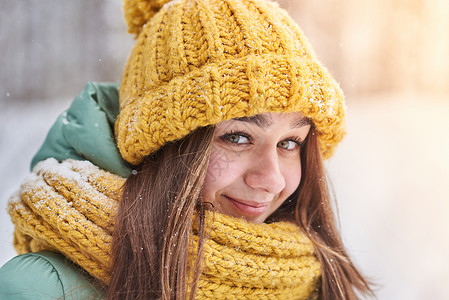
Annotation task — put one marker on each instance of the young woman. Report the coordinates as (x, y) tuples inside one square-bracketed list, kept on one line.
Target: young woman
[(221, 120)]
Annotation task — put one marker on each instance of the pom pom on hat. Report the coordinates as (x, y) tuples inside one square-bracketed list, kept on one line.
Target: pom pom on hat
[(138, 12)]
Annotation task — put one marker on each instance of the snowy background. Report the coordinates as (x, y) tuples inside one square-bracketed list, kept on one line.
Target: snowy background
[(391, 172)]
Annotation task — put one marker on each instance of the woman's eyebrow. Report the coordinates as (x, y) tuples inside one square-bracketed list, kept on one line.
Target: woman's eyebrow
[(301, 122), (265, 121), (259, 120)]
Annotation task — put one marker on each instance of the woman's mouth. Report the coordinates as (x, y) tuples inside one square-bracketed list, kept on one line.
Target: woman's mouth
[(248, 208)]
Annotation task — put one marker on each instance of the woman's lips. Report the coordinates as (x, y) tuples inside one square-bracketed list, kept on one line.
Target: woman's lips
[(248, 208)]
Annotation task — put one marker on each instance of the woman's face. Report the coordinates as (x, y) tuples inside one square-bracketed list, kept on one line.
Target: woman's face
[(255, 164)]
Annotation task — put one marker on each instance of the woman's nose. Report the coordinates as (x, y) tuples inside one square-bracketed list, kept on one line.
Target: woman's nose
[(265, 172)]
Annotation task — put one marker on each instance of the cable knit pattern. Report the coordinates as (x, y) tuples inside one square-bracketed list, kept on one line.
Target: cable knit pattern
[(70, 207), (257, 261), (199, 62)]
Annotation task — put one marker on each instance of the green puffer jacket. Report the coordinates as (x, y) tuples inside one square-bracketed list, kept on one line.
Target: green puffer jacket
[(83, 132), (46, 275)]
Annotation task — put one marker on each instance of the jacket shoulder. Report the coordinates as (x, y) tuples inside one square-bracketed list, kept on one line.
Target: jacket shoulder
[(85, 131), (46, 275)]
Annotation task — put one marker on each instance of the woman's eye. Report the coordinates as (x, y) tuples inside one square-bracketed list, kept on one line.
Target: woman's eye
[(236, 138), (288, 145)]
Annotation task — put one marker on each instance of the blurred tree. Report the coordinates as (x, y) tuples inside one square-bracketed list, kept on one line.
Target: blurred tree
[(52, 48), (379, 45)]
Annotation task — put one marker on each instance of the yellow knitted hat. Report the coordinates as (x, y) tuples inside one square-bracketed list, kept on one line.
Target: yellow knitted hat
[(199, 62)]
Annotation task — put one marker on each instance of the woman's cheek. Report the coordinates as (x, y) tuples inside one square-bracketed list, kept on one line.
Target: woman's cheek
[(292, 177), (218, 164), (222, 165)]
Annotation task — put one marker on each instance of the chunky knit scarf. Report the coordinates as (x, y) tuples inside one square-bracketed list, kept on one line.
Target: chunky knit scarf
[(70, 207)]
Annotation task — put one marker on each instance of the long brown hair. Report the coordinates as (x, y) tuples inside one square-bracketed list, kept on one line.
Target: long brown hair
[(150, 247), (150, 242)]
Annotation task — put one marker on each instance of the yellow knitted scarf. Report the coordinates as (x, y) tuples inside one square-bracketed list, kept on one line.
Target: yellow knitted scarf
[(70, 208)]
